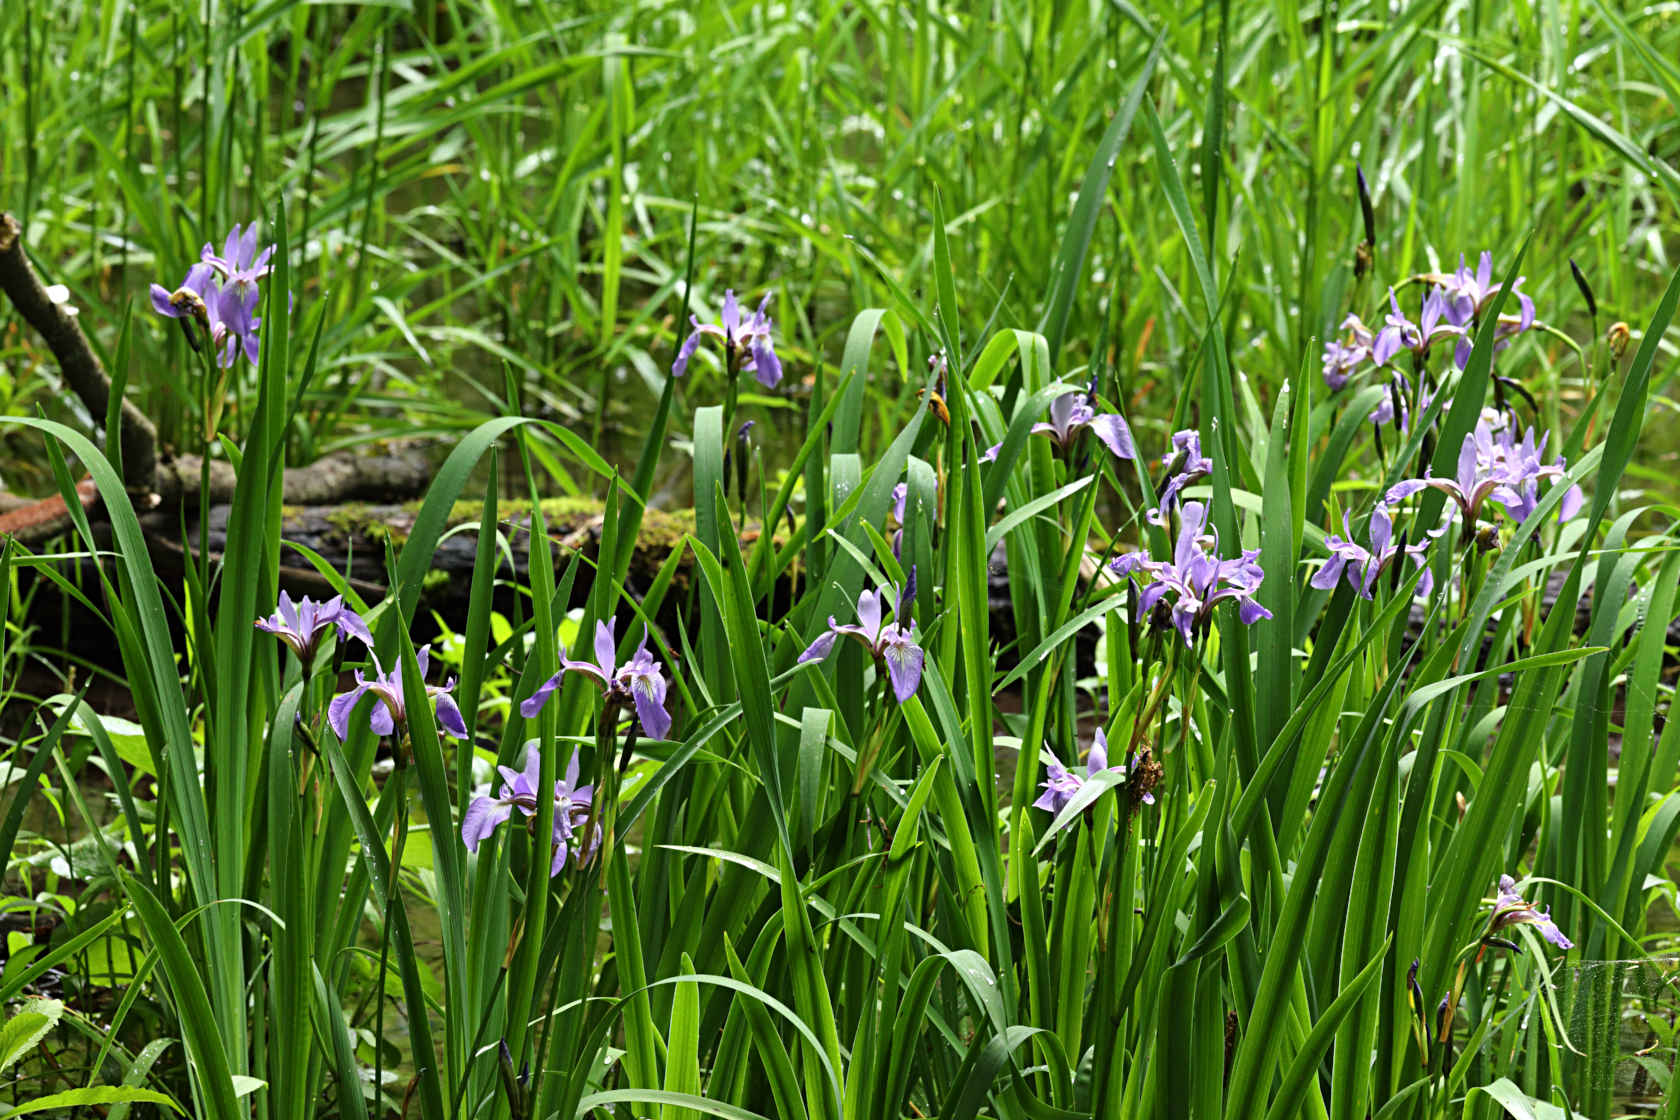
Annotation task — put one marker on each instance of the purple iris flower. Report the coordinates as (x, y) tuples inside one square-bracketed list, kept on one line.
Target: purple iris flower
[(1060, 785), (892, 643), (1362, 566), (1511, 909), (1196, 577), (389, 715), (1185, 464), (302, 625), (638, 682), (1525, 467), (1478, 479), (239, 263), (754, 335), (224, 314), (1492, 465), (1344, 355), (1400, 333), (1070, 414), (519, 791), (1468, 294)]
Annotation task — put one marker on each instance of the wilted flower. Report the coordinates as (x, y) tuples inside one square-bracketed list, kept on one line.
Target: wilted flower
[(302, 625), (638, 682), (1343, 355), (1617, 336), (225, 315), (1400, 333), (1196, 577), (389, 714), (891, 643), (754, 336), (1511, 909), (519, 791), (1060, 786), (1361, 565)]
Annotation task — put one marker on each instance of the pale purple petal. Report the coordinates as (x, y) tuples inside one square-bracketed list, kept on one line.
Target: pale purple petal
[(690, 344), (481, 820), (1112, 430), (766, 366), (904, 667), (449, 716), (338, 711), (531, 705)]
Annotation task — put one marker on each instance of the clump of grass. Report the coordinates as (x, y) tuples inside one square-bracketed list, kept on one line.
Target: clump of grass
[(781, 872)]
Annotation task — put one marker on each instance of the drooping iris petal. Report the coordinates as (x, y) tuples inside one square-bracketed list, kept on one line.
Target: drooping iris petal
[(892, 645)]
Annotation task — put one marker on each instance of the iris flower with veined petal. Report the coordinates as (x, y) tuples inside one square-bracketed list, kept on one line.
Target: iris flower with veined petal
[(239, 262), (225, 315), (1071, 414), (1492, 465), (389, 714), (890, 643), (1468, 295), (1196, 578), (754, 335), (1060, 785), (1511, 909), (1525, 467), (1400, 333), (1362, 566), (519, 791), (302, 625), (638, 682)]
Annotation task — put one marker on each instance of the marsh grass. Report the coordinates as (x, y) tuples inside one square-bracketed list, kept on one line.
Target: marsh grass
[(477, 185), (816, 901)]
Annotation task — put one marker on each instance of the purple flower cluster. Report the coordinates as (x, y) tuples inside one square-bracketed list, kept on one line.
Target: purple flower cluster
[(1196, 578), (1451, 308), (638, 682), (1071, 414), (1061, 786), (220, 294), (572, 806), (1492, 464), (754, 336), (890, 643)]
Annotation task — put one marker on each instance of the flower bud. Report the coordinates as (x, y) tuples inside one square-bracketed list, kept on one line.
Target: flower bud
[(1618, 337)]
